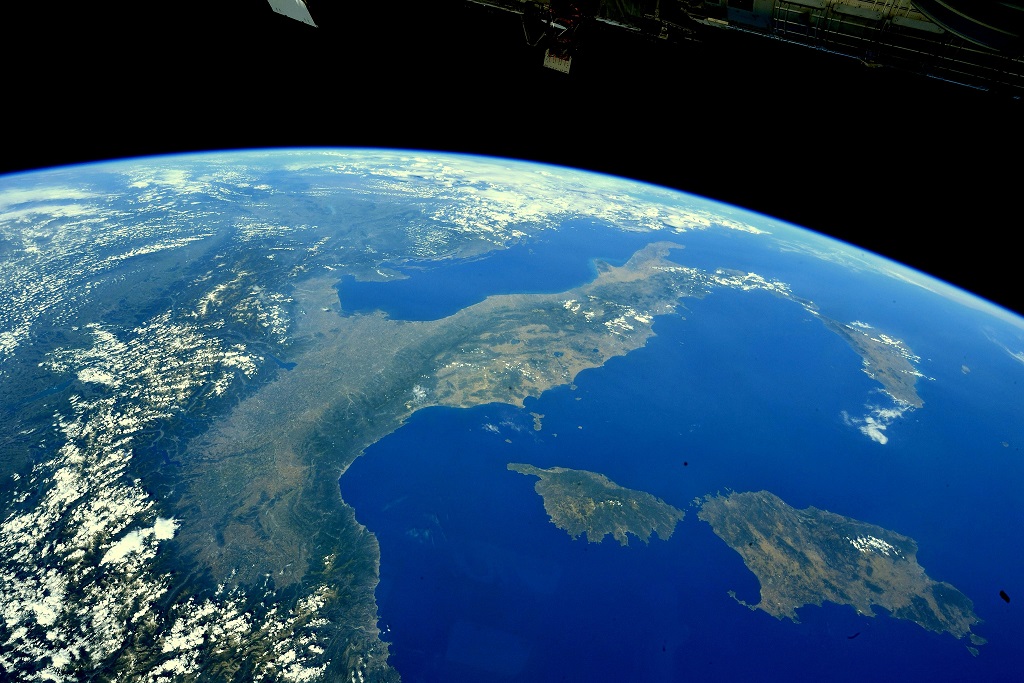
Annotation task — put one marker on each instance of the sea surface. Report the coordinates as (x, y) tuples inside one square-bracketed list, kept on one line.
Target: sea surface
[(742, 391)]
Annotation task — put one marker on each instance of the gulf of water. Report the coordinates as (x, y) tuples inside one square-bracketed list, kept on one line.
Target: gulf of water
[(743, 392), (553, 262)]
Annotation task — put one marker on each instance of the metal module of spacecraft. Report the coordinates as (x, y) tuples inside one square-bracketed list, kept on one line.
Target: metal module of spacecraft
[(976, 43)]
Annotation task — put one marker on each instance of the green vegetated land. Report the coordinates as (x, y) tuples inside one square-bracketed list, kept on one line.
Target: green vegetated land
[(582, 502)]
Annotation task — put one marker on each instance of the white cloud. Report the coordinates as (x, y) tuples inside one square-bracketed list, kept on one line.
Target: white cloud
[(874, 424), (492, 197), (15, 196), (1016, 355), (874, 430), (135, 541)]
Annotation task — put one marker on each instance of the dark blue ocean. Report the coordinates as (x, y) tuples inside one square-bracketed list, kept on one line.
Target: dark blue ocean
[(744, 391)]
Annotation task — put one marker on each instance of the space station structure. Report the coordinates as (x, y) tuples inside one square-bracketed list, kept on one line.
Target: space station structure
[(293, 9), (976, 43)]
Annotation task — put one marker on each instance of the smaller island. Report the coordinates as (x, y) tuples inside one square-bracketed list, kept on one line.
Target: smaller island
[(581, 502)]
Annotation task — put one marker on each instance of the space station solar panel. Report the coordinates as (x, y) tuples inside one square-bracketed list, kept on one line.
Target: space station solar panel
[(294, 9)]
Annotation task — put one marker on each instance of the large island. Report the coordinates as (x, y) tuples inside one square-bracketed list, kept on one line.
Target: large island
[(811, 556)]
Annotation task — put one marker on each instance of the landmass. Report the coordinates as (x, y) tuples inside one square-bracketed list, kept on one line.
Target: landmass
[(259, 483), (260, 501), (811, 556), (886, 360), (224, 548), (509, 347), (582, 502), (260, 506), (280, 570)]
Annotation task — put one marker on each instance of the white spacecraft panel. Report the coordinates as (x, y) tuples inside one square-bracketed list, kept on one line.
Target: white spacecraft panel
[(294, 9), (557, 62)]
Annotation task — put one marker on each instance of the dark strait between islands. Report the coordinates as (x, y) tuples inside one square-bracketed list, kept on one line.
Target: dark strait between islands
[(918, 170)]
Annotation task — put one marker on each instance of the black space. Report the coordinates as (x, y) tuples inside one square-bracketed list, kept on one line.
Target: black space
[(922, 171)]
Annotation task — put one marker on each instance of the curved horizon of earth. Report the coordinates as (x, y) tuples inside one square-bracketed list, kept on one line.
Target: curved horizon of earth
[(261, 409)]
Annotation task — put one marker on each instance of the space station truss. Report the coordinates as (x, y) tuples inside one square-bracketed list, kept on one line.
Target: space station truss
[(977, 43)]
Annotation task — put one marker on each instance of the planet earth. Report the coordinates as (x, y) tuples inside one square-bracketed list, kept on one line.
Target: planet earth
[(382, 415)]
